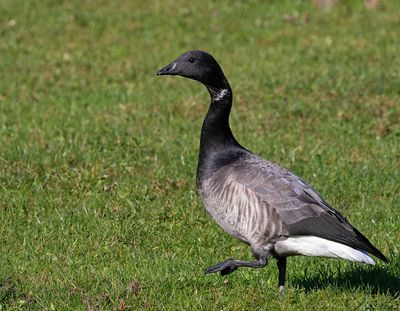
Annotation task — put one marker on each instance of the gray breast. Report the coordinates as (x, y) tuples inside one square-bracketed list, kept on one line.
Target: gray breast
[(237, 208)]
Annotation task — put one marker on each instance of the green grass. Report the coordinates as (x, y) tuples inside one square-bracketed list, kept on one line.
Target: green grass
[(98, 208)]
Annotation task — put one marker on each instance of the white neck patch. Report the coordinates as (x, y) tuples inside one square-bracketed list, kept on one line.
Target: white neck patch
[(218, 94)]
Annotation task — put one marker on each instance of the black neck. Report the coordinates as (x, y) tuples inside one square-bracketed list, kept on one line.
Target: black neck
[(216, 134), (216, 130)]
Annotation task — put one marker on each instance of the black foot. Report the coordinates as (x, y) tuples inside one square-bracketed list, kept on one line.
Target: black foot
[(223, 268), (230, 265)]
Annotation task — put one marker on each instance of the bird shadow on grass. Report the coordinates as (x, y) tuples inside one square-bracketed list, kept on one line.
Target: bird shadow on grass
[(377, 280)]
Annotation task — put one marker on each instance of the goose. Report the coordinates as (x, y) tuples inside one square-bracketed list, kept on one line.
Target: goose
[(257, 201)]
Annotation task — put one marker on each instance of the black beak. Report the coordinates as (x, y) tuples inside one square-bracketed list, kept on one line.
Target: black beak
[(168, 70)]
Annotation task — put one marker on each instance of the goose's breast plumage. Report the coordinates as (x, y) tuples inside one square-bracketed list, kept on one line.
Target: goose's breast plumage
[(239, 209)]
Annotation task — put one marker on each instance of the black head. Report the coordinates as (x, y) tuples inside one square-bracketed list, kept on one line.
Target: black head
[(197, 65)]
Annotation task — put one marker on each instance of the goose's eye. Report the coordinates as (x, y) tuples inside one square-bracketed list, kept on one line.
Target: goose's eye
[(191, 60)]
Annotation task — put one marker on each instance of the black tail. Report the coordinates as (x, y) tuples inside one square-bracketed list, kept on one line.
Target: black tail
[(368, 247)]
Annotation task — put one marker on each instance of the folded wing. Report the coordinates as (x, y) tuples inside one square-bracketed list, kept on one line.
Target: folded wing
[(301, 209)]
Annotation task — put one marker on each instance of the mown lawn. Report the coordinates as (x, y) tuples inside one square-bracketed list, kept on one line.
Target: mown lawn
[(98, 208)]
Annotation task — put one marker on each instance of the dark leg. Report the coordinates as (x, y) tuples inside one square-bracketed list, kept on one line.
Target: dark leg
[(230, 265), (282, 273)]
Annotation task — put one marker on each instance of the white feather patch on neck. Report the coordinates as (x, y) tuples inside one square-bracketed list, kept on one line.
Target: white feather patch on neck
[(221, 94), (218, 94)]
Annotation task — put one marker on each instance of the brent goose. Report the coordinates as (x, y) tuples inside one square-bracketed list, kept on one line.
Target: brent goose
[(258, 202)]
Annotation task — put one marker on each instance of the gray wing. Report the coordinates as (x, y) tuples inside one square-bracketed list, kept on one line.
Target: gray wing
[(301, 209)]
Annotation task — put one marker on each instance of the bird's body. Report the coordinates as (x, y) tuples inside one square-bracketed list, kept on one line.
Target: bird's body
[(257, 201), (268, 207)]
